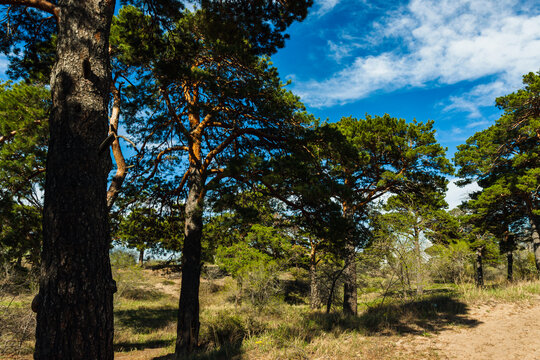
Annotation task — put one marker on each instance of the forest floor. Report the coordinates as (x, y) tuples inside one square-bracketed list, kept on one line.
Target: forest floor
[(498, 322)]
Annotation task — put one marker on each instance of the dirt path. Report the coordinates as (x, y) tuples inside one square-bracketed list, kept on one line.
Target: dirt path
[(505, 331)]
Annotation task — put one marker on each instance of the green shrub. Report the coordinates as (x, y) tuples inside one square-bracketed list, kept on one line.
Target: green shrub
[(122, 258), (256, 273), (225, 329), (451, 263)]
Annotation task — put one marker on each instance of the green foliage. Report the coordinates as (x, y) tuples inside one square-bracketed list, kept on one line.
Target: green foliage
[(504, 158), (122, 259), (24, 111), (20, 234), (451, 263), (505, 161), (145, 229), (388, 155), (242, 110), (256, 272), (524, 265)]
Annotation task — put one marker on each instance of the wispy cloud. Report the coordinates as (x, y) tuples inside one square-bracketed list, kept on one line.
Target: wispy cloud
[(325, 6), (339, 51), (441, 42), (477, 124)]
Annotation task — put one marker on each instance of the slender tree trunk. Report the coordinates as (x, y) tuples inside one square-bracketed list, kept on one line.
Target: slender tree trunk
[(535, 232), (350, 295), (510, 265), (141, 257), (479, 267), (315, 297), (188, 312), (536, 241), (331, 295), (350, 288), (418, 253), (74, 304)]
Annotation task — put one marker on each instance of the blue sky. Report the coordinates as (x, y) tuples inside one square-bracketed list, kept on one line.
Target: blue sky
[(441, 60), (424, 59), (445, 60)]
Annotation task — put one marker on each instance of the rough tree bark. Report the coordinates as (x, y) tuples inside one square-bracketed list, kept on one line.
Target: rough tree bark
[(187, 332), (315, 296), (188, 310), (74, 304)]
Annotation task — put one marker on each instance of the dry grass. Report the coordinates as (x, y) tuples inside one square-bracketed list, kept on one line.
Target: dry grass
[(521, 291), (145, 321), (17, 321)]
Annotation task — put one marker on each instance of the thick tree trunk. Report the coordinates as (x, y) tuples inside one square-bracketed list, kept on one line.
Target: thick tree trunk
[(188, 312), (479, 267), (74, 304), (510, 265), (315, 296)]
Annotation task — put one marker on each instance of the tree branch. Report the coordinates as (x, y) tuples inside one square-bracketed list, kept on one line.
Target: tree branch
[(235, 135), (37, 4), (121, 166), (172, 112)]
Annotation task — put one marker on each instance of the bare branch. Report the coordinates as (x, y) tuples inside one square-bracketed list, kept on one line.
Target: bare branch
[(129, 141), (121, 166)]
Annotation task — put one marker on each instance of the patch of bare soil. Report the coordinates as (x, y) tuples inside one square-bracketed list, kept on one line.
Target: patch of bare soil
[(504, 331)]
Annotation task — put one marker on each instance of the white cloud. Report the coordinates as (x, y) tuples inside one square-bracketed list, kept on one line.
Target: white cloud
[(338, 51), (325, 6), (442, 42), (484, 95), (476, 124), (456, 195)]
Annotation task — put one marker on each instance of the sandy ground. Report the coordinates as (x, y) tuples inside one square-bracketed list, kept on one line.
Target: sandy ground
[(504, 331)]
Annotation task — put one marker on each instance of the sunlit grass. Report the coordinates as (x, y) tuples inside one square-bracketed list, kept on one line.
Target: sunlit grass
[(522, 291), (146, 310)]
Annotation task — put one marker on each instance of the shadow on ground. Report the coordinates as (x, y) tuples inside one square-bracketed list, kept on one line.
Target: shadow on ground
[(145, 320), (148, 320), (434, 312), (142, 345)]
